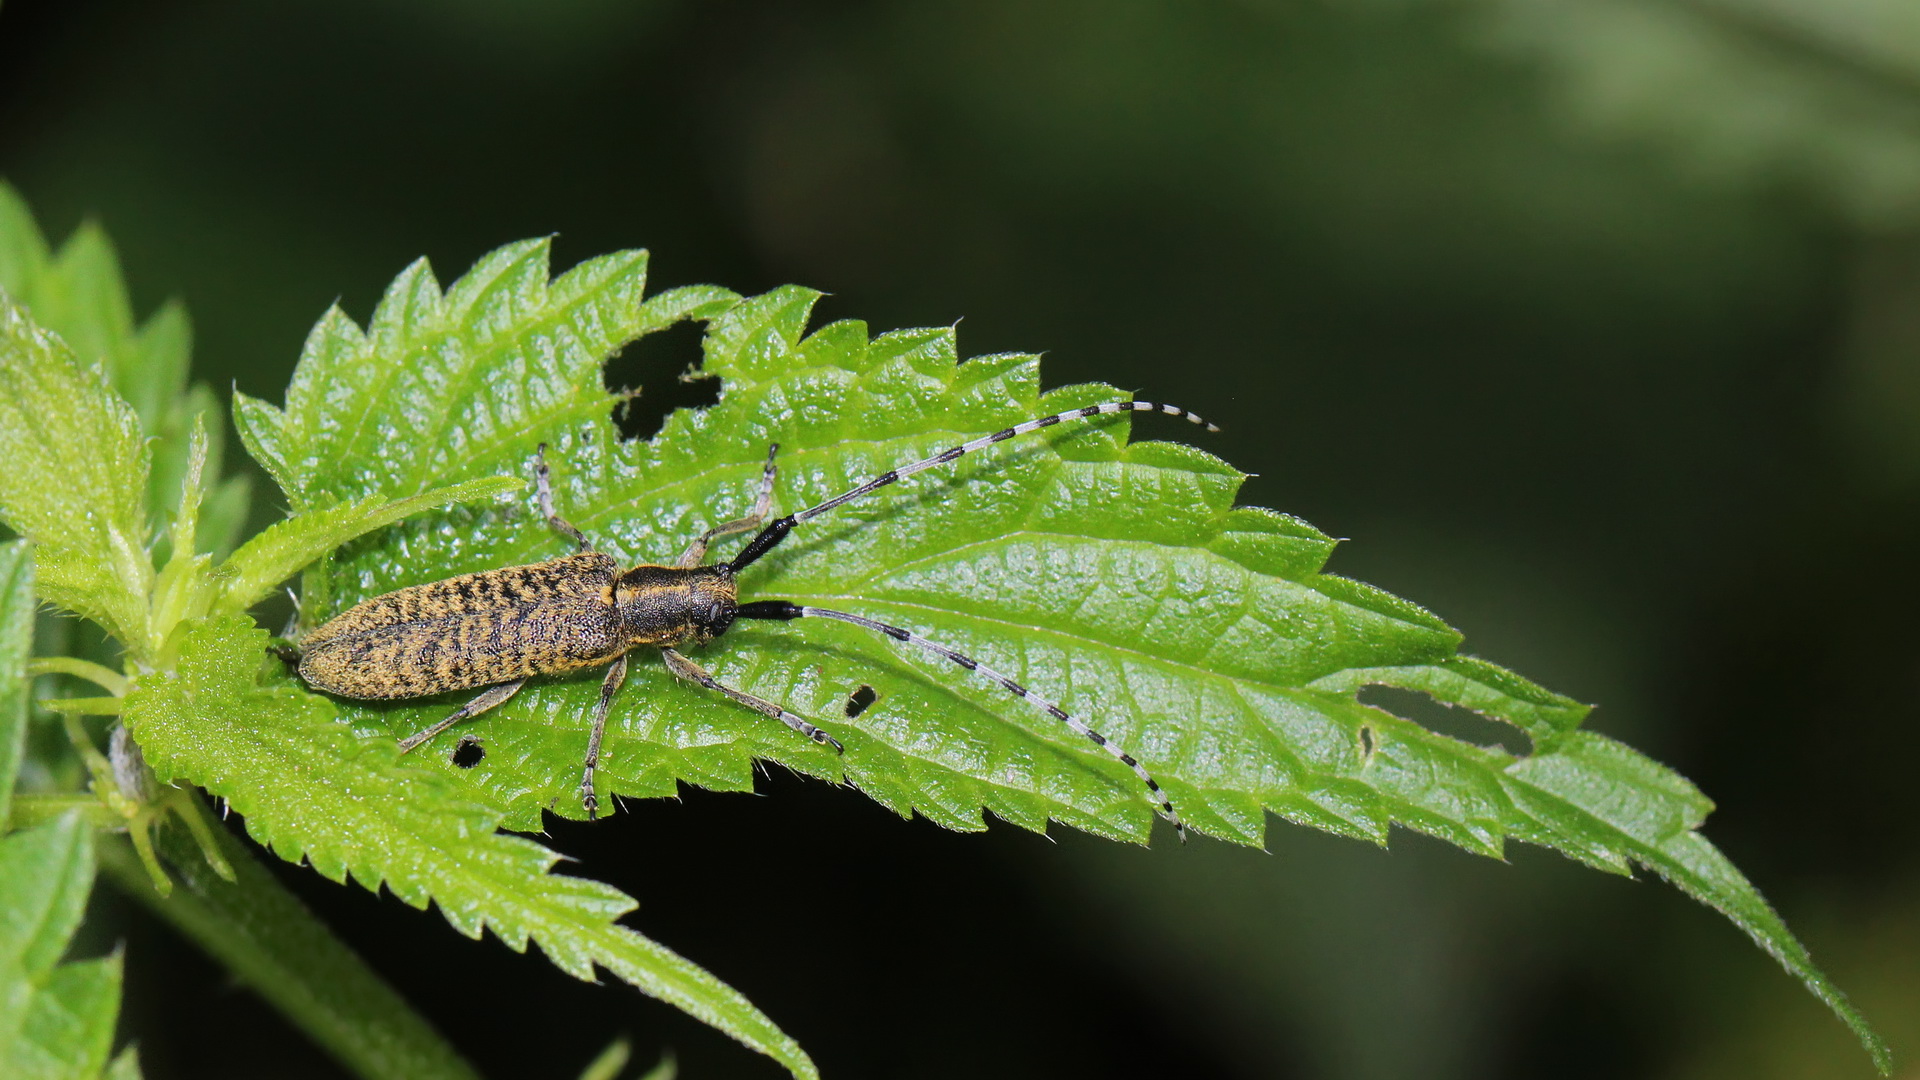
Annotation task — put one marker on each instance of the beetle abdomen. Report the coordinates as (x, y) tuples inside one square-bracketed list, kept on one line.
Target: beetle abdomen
[(586, 577), (470, 631)]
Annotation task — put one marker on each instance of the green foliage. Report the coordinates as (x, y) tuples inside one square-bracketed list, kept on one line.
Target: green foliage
[(76, 479), (77, 293), (440, 385), (1120, 578), (1116, 577), (56, 1020), (16, 644), (315, 789), (612, 1062), (75, 486), (271, 943), (285, 547), (1820, 93), (268, 938)]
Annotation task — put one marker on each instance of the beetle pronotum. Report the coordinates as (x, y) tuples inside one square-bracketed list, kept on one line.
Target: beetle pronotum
[(498, 628)]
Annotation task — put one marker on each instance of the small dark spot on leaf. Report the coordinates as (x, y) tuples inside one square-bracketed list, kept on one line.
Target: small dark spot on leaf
[(858, 701), (469, 752), (1366, 742)]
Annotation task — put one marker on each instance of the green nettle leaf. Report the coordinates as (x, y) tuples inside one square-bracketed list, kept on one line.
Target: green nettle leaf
[(56, 1020), (16, 645), (79, 294), (1116, 578), (75, 481), (313, 788), (75, 485), (372, 405)]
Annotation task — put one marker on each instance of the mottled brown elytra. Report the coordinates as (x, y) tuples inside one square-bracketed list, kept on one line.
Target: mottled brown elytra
[(499, 628)]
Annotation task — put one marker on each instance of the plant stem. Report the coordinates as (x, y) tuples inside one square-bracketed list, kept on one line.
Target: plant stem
[(271, 942), (98, 674), (37, 809)]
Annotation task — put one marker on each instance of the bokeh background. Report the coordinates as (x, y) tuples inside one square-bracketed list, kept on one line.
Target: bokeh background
[(1593, 323)]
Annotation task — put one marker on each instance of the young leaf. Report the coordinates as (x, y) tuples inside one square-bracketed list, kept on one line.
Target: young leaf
[(312, 788), (75, 481), (79, 294), (56, 1020), (1118, 579), (16, 645)]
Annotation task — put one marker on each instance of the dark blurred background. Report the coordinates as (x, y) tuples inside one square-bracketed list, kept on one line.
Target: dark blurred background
[(1592, 323)]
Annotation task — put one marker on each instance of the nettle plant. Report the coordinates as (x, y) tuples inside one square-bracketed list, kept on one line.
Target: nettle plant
[(1116, 577)]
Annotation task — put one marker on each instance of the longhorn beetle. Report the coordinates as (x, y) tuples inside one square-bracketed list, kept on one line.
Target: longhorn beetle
[(498, 628)]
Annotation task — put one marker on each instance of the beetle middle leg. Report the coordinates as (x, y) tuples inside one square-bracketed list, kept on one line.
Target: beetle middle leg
[(696, 552), (543, 492), (490, 697), (694, 673)]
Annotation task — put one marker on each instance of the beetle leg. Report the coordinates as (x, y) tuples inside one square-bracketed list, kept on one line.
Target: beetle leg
[(543, 491), (693, 672), (696, 552), (491, 696), (616, 674)]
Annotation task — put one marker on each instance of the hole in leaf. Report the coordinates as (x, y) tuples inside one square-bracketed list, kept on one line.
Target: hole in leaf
[(655, 365), (858, 701), (1449, 720), (469, 752), (1366, 742)]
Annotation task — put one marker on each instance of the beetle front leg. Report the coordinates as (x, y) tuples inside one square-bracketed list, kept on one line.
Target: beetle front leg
[(696, 552), (543, 493)]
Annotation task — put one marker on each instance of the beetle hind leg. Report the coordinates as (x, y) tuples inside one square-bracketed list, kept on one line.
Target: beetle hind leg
[(616, 674), (490, 697)]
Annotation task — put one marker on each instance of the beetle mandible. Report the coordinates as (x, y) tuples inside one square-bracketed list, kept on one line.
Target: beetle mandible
[(498, 628)]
